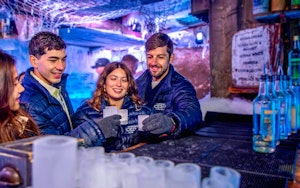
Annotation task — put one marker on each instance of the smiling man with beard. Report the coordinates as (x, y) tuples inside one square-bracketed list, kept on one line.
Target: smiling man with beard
[(171, 96)]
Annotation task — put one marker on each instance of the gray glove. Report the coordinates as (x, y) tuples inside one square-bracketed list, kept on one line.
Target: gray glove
[(158, 124), (110, 125)]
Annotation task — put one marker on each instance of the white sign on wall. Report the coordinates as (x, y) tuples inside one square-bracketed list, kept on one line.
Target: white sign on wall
[(251, 54)]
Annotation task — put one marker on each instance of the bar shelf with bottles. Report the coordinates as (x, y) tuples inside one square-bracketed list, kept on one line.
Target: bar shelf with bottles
[(278, 11), (275, 17), (276, 109)]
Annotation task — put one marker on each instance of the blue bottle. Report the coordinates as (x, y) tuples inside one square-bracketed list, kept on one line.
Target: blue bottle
[(273, 96), (263, 139), (294, 62), (293, 105), (283, 109), (294, 72), (297, 91), (288, 97)]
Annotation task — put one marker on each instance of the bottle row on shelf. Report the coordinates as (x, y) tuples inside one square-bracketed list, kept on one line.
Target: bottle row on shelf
[(264, 6), (276, 112), (276, 109), (275, 11)]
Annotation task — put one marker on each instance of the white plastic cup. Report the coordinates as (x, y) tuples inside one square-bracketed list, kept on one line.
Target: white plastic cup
[(109, 111), (166, 166), (124, 116), (214, 183), (151, 177), (140, 121), (145, 161), (125, 157), (131, 174), (226, 174), (185, 175), (92, 163), (54, 162), (114, 172)]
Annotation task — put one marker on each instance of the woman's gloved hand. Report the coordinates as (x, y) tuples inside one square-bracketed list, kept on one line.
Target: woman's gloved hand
[(110, 125)]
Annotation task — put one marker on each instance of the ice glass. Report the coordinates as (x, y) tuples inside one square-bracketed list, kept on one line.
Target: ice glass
[(214, 183), (54, 162), (137, 165), (96, 151), (166, 166), (131, 174), (109, 111), (124, 116), (125, 157), (151, 177), (145, 161), (185, 175), (114, 173), (226, 174), (140, 120), (92, 167)]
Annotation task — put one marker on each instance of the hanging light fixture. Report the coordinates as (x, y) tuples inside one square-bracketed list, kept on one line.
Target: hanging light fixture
[(199, 37), (136, 27)]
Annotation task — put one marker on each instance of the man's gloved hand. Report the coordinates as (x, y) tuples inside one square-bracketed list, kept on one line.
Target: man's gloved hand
[(110, 125), (158, 124)]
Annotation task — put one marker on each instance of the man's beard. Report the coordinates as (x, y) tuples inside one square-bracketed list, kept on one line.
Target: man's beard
[(160, 74)]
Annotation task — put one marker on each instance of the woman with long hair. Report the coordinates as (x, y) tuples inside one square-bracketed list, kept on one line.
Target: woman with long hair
[(15, 123), (115, 87)]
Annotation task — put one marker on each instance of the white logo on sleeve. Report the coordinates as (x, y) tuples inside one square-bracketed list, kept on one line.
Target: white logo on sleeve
[(160, 106)]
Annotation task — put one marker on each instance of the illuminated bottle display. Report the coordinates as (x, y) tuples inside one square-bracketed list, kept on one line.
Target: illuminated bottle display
[(294, 62), (293, 104), (288, 98), (294, 72), (295, 4), (264, 140), (297, 91), (283, 108), (273, 96)]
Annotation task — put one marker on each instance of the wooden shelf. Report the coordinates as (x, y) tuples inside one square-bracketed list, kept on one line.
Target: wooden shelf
[(275, 17), (243, 90)]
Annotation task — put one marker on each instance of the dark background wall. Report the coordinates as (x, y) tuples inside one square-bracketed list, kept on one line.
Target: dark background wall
[(226, 18)]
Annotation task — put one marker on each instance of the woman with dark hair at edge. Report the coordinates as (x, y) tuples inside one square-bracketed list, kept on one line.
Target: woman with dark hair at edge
[(15, 123)]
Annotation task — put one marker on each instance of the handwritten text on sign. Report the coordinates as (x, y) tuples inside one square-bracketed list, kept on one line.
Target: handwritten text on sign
[(250, 51)]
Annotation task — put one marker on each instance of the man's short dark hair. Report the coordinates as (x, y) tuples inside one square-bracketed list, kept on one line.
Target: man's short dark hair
[(43, 41), (159, 40)]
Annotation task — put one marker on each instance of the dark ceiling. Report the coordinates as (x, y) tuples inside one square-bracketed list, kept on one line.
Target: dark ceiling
[(78, 21)]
